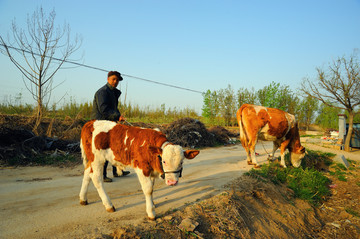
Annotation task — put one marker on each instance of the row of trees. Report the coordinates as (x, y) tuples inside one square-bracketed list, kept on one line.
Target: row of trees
[(221, 105)]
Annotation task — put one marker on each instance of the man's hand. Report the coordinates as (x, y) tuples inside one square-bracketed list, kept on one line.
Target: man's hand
[(122, 118)]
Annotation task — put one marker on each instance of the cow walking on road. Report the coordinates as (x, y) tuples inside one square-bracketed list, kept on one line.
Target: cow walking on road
[(269, 124), (146, 150)]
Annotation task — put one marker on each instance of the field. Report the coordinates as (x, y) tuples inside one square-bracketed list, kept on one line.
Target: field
[(213, 200)]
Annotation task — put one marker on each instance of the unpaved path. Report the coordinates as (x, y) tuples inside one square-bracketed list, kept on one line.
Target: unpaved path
[(42, 202)]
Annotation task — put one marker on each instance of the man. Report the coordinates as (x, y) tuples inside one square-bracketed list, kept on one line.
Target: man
[(105, 107)]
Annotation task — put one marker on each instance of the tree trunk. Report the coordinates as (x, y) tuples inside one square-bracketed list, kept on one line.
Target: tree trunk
[(39, 110), (349, 132)]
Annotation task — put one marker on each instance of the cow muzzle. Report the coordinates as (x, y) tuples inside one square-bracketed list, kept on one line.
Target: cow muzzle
[(178, 171)]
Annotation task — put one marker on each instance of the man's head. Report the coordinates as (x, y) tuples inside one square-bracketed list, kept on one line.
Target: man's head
[(113, 78)]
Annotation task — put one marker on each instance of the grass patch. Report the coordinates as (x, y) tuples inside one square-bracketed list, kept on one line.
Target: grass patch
[(340, 171), (307, 183), (352, 212)]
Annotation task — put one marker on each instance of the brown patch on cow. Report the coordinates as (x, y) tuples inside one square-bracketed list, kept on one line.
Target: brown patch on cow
[(102, 141), (278, 123)]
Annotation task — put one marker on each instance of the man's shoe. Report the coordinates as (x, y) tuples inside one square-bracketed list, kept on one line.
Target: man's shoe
[(107, 180), (124, 173)]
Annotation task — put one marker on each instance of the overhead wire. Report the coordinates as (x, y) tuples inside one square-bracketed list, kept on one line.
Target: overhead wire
[(104, 70)]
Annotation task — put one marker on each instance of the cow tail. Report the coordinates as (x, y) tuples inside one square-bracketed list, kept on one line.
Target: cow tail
[(243, 136)]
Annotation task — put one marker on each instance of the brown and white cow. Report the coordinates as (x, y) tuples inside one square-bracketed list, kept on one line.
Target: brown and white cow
[(269, 124), (146, 150)]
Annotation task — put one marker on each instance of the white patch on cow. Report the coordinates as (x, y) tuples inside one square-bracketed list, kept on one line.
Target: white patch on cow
[(143, 143), (258, 108), (126, 137), (264, 135), (126, 149), (132, 141), (103, 126), (156, 129)]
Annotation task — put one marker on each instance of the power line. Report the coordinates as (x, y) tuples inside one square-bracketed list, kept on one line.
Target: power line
[(101, 69)]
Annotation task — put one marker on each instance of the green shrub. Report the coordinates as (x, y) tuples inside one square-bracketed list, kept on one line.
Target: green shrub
[(306, 182)]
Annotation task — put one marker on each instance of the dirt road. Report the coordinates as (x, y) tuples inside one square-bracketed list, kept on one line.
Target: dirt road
[(42, 202)]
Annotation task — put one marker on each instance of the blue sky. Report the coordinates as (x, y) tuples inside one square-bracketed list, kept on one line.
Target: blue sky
[(190, 43)]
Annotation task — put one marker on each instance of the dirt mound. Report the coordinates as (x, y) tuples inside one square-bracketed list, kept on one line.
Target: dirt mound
[(249, 209)]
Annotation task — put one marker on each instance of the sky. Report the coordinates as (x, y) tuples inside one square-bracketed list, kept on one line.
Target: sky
[(195, 44)]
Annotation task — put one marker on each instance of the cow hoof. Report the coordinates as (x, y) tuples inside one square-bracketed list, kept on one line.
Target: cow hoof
[(112, 209), (83, 202), (151, 218), (249, 163), (257, 166)]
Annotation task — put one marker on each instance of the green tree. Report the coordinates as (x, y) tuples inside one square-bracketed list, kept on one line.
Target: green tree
[(277, 96), (307, 110), (210, 109), (245, 96), (227, 104), (328, 116)]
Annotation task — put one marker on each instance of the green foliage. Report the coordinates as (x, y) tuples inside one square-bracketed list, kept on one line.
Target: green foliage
[(277, 96), (306, 182), (307, 109), (245, 96), (328, 117), (211, 106), (340, 171), (227, 104)]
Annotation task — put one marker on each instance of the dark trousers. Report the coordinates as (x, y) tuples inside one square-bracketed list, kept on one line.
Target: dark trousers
[(113, 169)]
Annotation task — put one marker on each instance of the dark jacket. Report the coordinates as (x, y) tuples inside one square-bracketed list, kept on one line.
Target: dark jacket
[(105, 104)]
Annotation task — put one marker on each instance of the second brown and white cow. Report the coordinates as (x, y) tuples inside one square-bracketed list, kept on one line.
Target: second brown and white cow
[(269, 124), (146, 150)]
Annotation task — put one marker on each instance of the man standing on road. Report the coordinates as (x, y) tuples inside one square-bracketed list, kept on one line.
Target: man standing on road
[(105, 107)]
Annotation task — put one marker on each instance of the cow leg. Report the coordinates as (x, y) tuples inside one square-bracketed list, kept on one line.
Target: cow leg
[(248, 157), (97, 178), (84, 187), (282, 152), (275, 147), (253, 158), (252, 144), (147, 187)]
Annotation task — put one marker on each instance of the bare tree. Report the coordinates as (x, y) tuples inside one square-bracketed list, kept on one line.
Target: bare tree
[(339, 87), (39, 52)]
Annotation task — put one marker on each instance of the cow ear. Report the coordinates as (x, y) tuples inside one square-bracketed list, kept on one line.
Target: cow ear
[(155, 150), (190, 154)]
